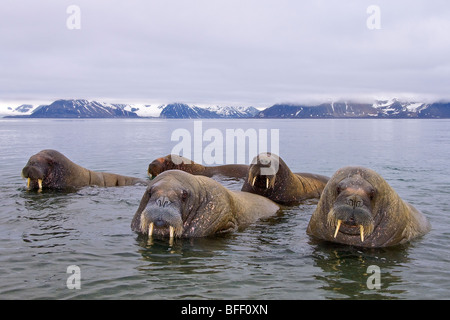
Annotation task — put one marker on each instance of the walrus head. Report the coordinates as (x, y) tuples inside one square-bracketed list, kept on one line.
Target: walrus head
[(358, 207), (172, 162), (43, 170), (177, 204), (351, 213), (263, 171), (156, 167)]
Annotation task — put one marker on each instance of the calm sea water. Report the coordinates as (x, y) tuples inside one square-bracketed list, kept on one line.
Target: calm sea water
[(42, 234)]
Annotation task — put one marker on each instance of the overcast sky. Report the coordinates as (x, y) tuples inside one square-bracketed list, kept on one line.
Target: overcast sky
[(227, 52)]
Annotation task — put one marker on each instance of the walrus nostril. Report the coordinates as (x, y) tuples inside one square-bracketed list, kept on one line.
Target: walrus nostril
[(354, 201), (163, 202)]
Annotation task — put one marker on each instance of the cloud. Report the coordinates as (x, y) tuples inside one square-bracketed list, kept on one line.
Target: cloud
[(234, 52)]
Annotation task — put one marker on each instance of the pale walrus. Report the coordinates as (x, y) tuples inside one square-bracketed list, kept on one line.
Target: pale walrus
[(50, 169), (173, 161), (179, 204), (358, 207), (270, 177)]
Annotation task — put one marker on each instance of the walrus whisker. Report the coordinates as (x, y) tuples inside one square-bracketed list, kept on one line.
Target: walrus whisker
[(331, 218)]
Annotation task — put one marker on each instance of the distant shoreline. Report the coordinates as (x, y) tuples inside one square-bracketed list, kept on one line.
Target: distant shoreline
[(8, 117), (380, 109)]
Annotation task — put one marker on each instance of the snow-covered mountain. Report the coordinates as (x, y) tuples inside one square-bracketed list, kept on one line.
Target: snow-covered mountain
[(234, 112), (21, 110), (324, 110), (397, 108), (80, 108), (389, 108), (145, 110), (184, 111)]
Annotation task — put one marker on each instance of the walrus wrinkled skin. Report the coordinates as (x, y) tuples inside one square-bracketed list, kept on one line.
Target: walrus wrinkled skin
[(269, 176), (359, 208), (50, 169), (172, 161), (179, 204)]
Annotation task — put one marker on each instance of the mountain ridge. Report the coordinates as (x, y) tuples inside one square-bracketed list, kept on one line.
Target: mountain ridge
[(82, 108)]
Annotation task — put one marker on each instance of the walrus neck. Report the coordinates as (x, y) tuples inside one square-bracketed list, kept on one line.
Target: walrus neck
[(203, 203), (285, 177), (303, 183), (401, 233)]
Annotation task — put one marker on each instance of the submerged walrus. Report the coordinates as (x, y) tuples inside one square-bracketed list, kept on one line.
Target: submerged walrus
[(270, 177), (172, 161), (50, 169), (179, 204), (359, 208)]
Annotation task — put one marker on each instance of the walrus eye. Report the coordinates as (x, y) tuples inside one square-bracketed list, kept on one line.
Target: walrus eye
[(372, 194), (184, 195), (338, 190)]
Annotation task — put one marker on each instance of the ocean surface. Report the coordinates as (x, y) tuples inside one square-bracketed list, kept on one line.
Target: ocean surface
[(44, 234)]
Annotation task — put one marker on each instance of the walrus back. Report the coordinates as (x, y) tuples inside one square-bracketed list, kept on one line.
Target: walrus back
[(105, 179), (417, 224), (247, 207), (250, 207)]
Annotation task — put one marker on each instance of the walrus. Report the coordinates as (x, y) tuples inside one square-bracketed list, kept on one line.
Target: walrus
[(178, 204), (269, 176), (358, 207), (50, 169), (173, 161)]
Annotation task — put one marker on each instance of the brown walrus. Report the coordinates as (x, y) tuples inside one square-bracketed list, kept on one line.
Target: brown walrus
[(50, 169), (179, 204), (358, 207), (270, 177), (172, 161)]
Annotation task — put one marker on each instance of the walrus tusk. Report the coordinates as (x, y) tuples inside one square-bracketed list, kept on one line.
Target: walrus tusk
[(171, 230), (267, 183), (40, 184), (150, 229), (337, 228), (28, 183), (253, 182), (361, 231)]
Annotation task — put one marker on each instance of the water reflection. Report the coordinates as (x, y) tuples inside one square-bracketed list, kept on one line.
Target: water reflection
[(49, 216), (164, 250), (187, 269), (344, 270)]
